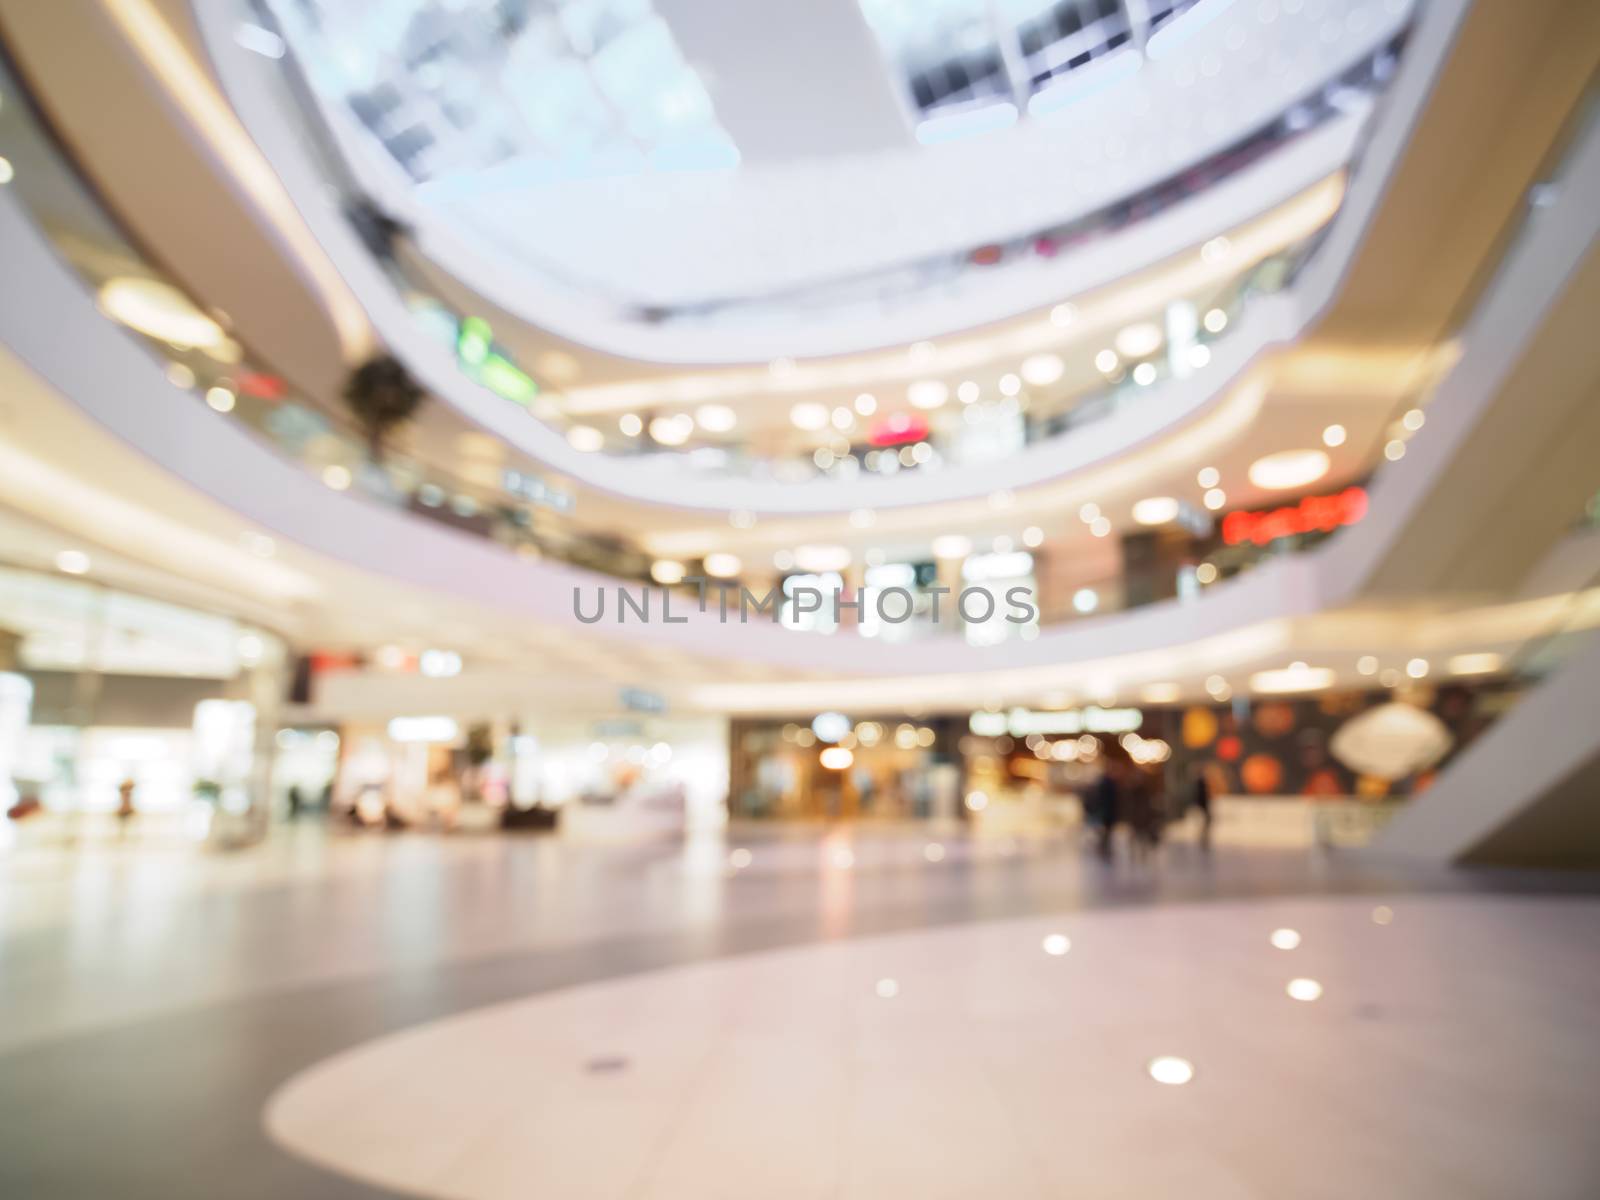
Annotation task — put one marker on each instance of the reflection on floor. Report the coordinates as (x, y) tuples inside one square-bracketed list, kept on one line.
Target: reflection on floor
[(1017, 1058), (153, 1004)]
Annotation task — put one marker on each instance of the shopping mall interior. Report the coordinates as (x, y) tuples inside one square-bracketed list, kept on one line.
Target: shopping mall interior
[(849, 599)]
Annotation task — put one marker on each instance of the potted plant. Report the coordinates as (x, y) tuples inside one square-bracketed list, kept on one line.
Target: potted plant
[(382, 396)]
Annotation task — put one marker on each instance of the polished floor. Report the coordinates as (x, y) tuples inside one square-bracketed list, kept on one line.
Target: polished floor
[(357, 1016)]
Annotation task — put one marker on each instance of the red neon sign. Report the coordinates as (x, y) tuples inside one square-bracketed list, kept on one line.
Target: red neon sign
[(1322, 513), (898, 429)]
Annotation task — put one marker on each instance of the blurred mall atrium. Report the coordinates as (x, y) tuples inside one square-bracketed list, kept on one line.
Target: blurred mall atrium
[(799, 598)]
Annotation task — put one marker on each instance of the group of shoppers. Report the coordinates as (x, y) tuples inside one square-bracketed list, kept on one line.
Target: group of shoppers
[(1131, 795)]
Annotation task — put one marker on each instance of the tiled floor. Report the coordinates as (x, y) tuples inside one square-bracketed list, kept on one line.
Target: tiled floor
[(151, 1008)]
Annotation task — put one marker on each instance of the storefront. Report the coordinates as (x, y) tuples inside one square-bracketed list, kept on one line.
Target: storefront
[(124, 716)]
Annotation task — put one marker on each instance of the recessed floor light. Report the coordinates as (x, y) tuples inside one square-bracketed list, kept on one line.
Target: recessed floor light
[(1170, 1069), (1304, 989)]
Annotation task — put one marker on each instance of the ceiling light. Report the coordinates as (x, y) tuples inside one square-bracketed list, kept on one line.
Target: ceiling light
[(585, 438), (1033, 537), (667, 571), (1042, 369), (1285, 939), (927, 393), (1206, 573), (1216, 250), (1367, 665), (1215, 499), (783, 560), (837, 758), (1061, 315), (672, 431), (843, 418), (439, 664), (1216, 321), (866, 404), (72, 562), (1333, 435), (631, 424), (809, 416), (1056, 944), (1395, 450), (1155, 510), (1144, 374), (715, 418), (968, 392), (722, 566), (742, 518), (1085, 600), (1171, 1070), (1296, 677), (220, 399), (1217, 686), (1413, 419), (1106, 361), (336, 477), (1304, 989), (1486, 663), (1138, 340), (1010, 385), (158, 310), (1417, 668), (976, 801), (179, 375), (1161, 693), (740, 859), (1288, 469), (821, 558), (1208, 477), (1100, 526), (1199, 355), (782, 368), (952, 545)]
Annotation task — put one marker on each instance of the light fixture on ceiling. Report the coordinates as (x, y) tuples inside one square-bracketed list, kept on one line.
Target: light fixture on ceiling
[(672, 431), (337, 477), (952, 545), (927, 393), (1485, 663), (1041, 370), (1394, 450), (72, 562), (1199, 355), (1217, 249), (1106, 361), (1417, 668), (1085, 600), (1208, 477), (1215, 498), (667, 571), (809, 416), (1160, 693), (1215, 320), (866, 404), (1413, 419), (968, 391), (1033, 537), (1333, 436), (585, 438), (1061, 315), (220, 399), (1155, 510), (721, 565), (1297, 677), (1010, 385), (837, 758), (819, 558), (158, 310), (1144, 374), (1367, 664), (1205, 573), (715, 418), (631, 424), (1100, 526), (1139, 340), (1288, 469)]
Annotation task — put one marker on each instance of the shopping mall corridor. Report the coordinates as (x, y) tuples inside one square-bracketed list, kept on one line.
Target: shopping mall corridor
[(169, 1011)]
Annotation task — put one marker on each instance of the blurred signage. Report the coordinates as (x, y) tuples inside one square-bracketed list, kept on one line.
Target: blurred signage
[(1020, 722), (641, 701), (536, 491), (1314, 513)]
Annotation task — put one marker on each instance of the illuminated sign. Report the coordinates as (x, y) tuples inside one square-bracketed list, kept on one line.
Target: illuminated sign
[(898, 429), (1314, 513), (1020, 722)]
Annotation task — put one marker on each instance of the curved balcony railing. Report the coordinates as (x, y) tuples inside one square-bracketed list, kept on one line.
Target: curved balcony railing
[(218, 370)]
